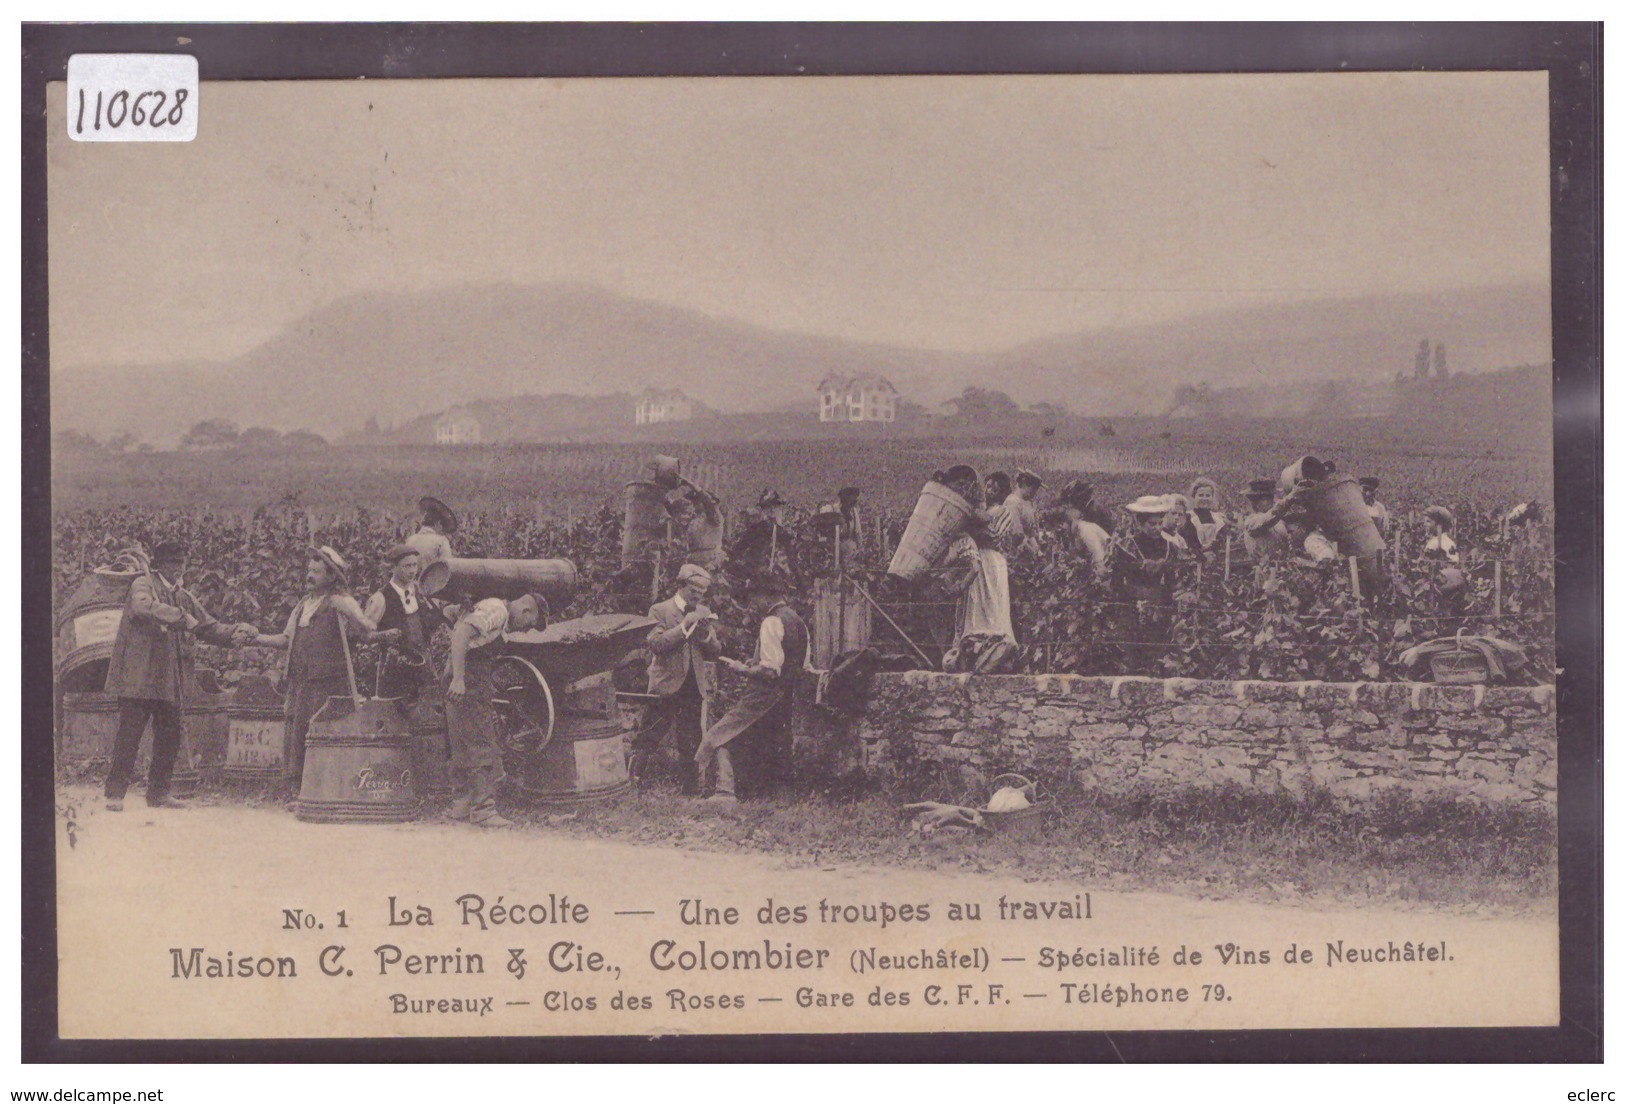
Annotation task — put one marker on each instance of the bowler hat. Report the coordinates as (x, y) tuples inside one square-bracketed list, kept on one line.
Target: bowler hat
[(169, 552), (1028, 477), (1260, 488), (1369, 482)]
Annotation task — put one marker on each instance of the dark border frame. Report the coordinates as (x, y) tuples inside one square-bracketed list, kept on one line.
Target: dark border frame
[(1571, 53)]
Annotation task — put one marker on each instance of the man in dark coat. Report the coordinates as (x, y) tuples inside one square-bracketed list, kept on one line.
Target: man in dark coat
[(152, 664), (680, 651), (762, 713)]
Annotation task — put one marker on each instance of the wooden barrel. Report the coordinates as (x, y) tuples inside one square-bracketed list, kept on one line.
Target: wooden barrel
[(89, 727), (358, 765), (583, 764), (431, 752), (89, 724), (253, 743), (938, 517), (206, 731), (645, 521), (88, 621)]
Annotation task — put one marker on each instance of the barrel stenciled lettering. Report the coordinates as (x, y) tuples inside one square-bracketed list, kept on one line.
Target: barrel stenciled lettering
[(372, 779)]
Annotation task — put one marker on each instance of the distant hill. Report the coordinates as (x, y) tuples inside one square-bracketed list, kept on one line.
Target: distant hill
[(396, 358), (1138, 368)]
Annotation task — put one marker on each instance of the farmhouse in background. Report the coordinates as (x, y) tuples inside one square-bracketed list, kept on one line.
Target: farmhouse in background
[(457, 427), (656, 406), (862, 398)]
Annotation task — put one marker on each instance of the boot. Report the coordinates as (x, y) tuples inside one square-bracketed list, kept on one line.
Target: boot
[(460, 808)]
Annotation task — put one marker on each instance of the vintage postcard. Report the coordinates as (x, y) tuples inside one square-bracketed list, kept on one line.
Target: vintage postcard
[(801, 554)]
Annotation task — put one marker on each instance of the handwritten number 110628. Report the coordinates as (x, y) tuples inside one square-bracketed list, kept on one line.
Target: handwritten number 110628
[(121, 108)]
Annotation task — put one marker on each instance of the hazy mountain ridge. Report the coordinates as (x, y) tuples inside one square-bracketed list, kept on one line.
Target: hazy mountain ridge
[(398, 358)]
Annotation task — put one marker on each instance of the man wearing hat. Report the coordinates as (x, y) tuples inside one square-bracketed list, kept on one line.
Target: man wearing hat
[(696, 525), (400, 605), (1262, 531), (680, 649), (762, 714), (766, 543), (317, 638), (151, 665), (438, 524), (470, 720), (1378, 512)]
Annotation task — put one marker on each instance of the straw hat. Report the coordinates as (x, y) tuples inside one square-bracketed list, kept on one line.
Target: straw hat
[(438, 512), (1148, 504), (398, 553), (335, 562)]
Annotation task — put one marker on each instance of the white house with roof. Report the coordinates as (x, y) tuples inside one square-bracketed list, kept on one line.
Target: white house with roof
[(867, 397), (656, 406), (457, 426)]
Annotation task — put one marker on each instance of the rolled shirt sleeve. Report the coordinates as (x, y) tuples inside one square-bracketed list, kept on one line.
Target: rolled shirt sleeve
[(770, 645), (489, 619)]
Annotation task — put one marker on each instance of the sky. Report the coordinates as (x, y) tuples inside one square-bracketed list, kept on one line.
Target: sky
[(955, 213)]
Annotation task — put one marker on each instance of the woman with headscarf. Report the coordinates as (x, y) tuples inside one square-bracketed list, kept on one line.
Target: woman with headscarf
[(1089, 523), (318, 644)]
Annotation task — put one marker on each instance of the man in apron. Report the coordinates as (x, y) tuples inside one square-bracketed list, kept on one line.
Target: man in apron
[(399, 605), (150, 667), (761, 717), (318, 643), (471, 722)]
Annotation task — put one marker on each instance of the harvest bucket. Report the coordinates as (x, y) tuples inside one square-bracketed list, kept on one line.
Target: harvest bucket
[(645, 521), (554, 580), (1339, 509), (358, 764), (584, 763), (938, 517), (89, 727)]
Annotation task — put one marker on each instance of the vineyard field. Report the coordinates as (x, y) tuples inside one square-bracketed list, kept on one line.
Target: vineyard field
[(576, 479)]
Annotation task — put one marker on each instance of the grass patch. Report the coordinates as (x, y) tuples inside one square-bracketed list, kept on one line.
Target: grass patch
[(1224, 842)]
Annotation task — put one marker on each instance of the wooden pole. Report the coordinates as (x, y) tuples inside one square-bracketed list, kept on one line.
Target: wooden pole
[(1497, 588), (840, 593), (1227, 543), (1354, 576)]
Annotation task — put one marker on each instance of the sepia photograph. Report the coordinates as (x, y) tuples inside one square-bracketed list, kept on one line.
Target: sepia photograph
[(819, 554)]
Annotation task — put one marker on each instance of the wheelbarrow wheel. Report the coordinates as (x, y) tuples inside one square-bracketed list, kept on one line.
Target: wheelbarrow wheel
[(523, 702)]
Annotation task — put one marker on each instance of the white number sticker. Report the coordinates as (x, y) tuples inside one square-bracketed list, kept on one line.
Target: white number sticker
[(132, 97)]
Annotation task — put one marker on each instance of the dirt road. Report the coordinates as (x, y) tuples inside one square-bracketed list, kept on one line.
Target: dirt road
[(419, 929)]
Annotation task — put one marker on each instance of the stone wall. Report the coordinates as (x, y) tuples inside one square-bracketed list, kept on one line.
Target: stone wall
[(1116, 734)]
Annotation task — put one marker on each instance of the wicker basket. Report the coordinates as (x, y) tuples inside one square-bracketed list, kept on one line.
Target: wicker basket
[(1016, 822), (1459, 666)]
